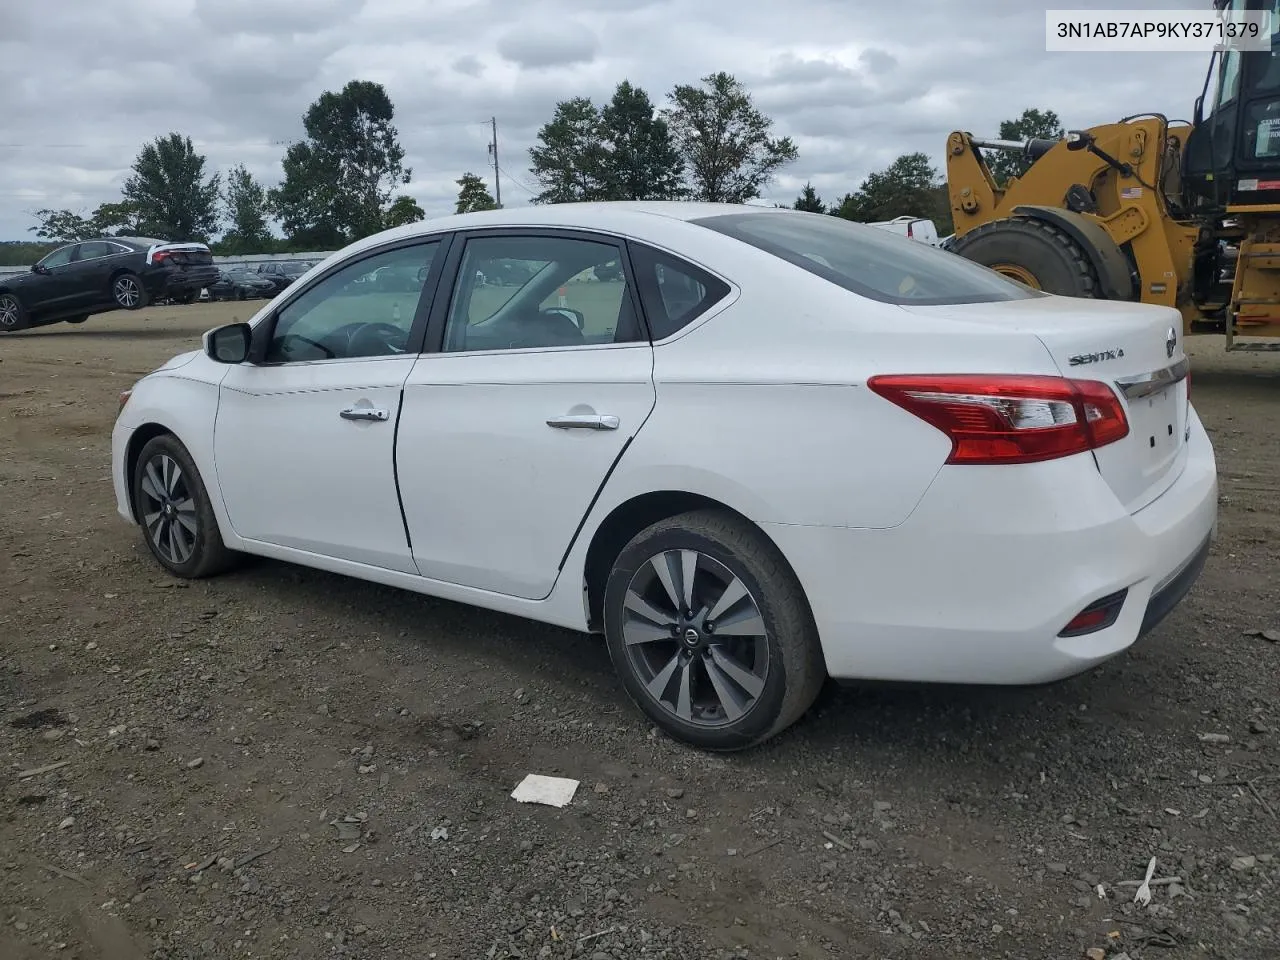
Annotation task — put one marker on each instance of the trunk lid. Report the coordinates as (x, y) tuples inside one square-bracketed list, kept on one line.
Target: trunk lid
[(1136, 350), (184, 254)]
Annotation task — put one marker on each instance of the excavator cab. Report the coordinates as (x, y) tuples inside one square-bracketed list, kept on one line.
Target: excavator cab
[(1232, 155)]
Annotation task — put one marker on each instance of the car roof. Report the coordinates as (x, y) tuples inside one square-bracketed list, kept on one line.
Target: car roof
[(622, 216)]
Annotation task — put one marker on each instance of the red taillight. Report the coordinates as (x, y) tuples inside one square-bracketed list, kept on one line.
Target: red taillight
[(910, 232), (1096, 616), (160, 256), (997, 418), (1188, 385), (124, 399)]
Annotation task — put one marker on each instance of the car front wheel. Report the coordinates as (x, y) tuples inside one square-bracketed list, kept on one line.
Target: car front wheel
[(12, 315), (128, 292), (710, 631), (175, 513)]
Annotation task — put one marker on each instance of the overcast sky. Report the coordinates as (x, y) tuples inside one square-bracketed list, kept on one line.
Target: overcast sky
[(87, 82)]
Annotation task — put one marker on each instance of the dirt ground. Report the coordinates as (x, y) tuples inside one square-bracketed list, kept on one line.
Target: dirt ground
[(281, 763)]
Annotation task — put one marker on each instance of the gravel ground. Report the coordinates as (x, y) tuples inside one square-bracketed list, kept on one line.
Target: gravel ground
[(281, 763)]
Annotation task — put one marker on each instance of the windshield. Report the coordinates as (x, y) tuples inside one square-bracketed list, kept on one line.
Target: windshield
[(870, 262)]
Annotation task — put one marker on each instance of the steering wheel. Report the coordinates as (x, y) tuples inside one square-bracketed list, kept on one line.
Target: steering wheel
[(380, 337), (283, 345)]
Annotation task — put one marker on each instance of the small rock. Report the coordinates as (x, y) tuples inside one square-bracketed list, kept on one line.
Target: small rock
[(67, 824), (602, 788), (675, 793), (868, 844), (1214, 738), (54, 735), (1236, 923), (195, 764), (366, 768), (1056, 867), (91, 645), (1096, 953), (1257, 726), (152, 745), (20, 925), (1244, 863), (882, 805)]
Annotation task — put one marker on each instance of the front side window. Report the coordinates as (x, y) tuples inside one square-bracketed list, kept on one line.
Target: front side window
[(60, 257), (365, 309), (870, 262), (528, 292)]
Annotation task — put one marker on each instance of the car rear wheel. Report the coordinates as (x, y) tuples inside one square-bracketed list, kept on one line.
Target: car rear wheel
[(79, 319), (710, 631), (186, 297), (128, 292), (12, 315), (175, 513)]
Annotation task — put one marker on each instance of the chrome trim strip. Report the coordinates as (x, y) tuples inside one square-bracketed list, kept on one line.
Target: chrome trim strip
[(1145, 384)]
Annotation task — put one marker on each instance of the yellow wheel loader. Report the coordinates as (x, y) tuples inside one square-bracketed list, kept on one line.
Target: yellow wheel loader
[(1183, 214)]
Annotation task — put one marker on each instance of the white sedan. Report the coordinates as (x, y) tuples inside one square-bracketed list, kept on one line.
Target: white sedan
[(755, 448)]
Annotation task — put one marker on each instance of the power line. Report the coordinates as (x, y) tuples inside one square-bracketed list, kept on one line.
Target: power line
[(520, 184)]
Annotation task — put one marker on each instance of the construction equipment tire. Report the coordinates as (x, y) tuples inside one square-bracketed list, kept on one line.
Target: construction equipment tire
[(1034, 253)]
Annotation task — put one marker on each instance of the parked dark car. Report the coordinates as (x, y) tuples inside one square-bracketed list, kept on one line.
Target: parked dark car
[(240, 284), (78, 280), (283, 272)]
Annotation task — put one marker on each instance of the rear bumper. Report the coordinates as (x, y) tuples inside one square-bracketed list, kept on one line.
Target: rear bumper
[(976, 585), (177, 280)]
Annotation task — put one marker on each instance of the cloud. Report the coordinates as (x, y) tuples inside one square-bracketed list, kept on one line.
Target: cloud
[(557, 46), (855, 84)]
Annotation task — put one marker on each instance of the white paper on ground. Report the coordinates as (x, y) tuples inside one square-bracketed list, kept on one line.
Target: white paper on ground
[(552, 791)]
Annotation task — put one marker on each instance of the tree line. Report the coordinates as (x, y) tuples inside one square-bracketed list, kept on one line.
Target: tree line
[(708, 141), (339, 185)]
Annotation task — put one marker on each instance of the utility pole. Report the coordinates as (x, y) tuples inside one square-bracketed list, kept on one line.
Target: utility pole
[(493, 151)]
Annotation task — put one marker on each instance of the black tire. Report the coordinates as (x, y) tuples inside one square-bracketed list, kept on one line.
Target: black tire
[(79, 319), (186, 297), (207, 554), (1056, 262), (795, 669), (128, 293), (13, 315), (240, 294)]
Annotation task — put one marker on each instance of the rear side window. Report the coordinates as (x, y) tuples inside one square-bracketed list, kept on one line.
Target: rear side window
[(868, 261), (673, 292)]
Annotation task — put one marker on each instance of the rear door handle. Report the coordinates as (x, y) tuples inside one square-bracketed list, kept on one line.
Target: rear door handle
[(585, 421), (364, 413)]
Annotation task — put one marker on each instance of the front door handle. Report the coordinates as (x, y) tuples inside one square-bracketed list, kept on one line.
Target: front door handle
[(586, 421), (364, 413)]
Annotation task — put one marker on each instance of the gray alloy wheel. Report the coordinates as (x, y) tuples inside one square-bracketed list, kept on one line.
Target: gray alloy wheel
[(168, 509), (12, 316), (695, 638), (710, 631), (175, 513), (127, 292)]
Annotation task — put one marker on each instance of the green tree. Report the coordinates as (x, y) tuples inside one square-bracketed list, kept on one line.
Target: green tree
[(22, 253), (473, 195), (169, 191), (641, 161), (907, 187), (248, 214), (62, 226), (123, 218), (1033, 123), (338, 182), (809, 201), (569, 159), (724, 140), (403, 210)]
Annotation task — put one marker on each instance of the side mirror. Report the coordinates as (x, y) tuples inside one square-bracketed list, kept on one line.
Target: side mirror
[(229, 344), (1078, 139), (1197, 116), (36, 268)]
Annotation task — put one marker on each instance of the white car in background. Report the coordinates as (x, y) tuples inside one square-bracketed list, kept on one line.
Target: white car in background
[(779, 446)]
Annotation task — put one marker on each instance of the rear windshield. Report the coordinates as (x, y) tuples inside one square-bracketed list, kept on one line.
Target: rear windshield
[(869, 261)]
